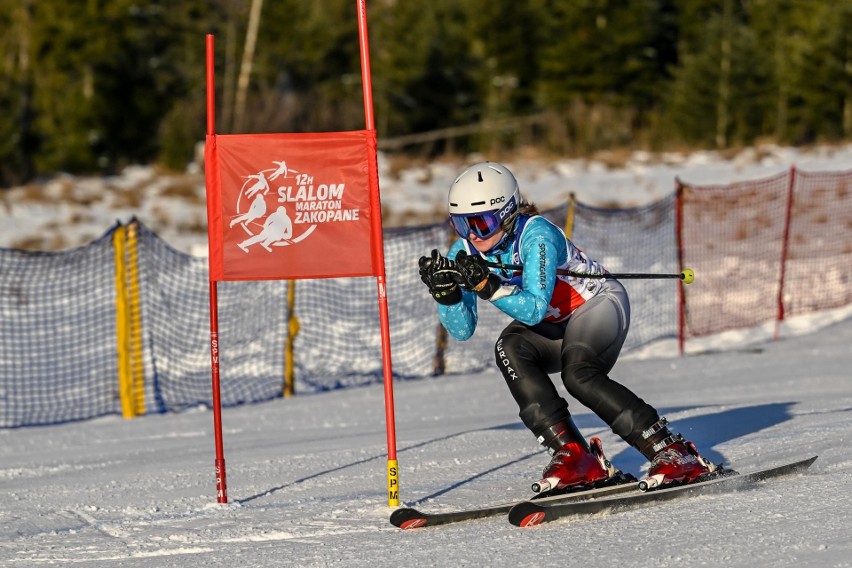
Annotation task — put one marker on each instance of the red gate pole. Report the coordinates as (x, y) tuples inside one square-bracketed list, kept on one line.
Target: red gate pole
[(379, 256), (221, 485)]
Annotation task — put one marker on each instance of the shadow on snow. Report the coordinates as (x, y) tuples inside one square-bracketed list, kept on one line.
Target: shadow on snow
[(706, 431)]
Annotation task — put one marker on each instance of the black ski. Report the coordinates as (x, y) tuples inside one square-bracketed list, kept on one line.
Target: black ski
[(530, 513), (409, 518)]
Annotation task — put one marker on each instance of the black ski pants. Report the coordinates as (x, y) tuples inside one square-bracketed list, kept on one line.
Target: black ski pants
[(583, 349)]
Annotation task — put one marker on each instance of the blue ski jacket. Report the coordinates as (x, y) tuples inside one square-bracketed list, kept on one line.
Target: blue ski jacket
[(537, 292)]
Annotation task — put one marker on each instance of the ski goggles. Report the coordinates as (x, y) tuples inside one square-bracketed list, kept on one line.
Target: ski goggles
[(482, 225)]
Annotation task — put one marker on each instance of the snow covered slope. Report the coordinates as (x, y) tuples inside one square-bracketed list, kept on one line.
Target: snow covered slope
[(306, 476)]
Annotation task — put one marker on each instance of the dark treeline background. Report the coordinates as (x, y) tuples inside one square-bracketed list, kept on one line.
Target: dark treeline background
[(92, 85)]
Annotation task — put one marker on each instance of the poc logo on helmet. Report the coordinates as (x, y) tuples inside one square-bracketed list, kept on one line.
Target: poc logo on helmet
[(497, 200), (505, 211)]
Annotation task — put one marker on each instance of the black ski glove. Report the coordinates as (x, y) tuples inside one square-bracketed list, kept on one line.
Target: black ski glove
[(441, 277), (475, 275)]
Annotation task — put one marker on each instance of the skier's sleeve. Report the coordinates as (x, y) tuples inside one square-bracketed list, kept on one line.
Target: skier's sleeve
[(459, 319), (540, 250)]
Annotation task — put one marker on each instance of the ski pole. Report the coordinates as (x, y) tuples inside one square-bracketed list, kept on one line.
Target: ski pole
[(687, 275)]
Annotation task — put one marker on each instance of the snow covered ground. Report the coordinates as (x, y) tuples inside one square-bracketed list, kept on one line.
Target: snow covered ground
[(306, 476)]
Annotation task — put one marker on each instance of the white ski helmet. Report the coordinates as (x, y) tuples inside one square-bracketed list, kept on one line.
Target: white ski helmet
[(482, 199)]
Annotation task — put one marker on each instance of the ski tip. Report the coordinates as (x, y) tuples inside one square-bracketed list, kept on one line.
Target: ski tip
[(527, 515), (406, 518), (413, 524), (532, 520)]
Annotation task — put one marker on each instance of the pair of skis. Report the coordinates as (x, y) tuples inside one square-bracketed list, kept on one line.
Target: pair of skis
[(613, 498)]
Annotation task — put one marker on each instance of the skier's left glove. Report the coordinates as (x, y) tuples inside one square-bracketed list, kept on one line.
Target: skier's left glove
[(475, 275), (441, 277)]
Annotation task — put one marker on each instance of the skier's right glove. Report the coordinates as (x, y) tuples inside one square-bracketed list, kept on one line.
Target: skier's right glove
[(475, 275), (440, 276)]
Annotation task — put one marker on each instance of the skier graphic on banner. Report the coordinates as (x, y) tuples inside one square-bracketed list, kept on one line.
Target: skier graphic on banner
[(256, 211), (276, 228)]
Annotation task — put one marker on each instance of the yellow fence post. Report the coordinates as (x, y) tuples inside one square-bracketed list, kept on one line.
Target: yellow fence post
[(569, 217), (134, 319), (128, 322), (292, 332)]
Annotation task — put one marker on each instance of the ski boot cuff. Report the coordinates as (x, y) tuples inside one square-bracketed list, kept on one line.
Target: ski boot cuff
[(560, 434), (657, 437)]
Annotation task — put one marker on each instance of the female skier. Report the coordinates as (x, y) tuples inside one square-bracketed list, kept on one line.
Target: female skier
[(567, 324)]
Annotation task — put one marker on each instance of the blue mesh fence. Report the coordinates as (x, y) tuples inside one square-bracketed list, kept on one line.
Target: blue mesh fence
[(176, 322), (57, 335), (339, 343), (643, 239), (59, 349)]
